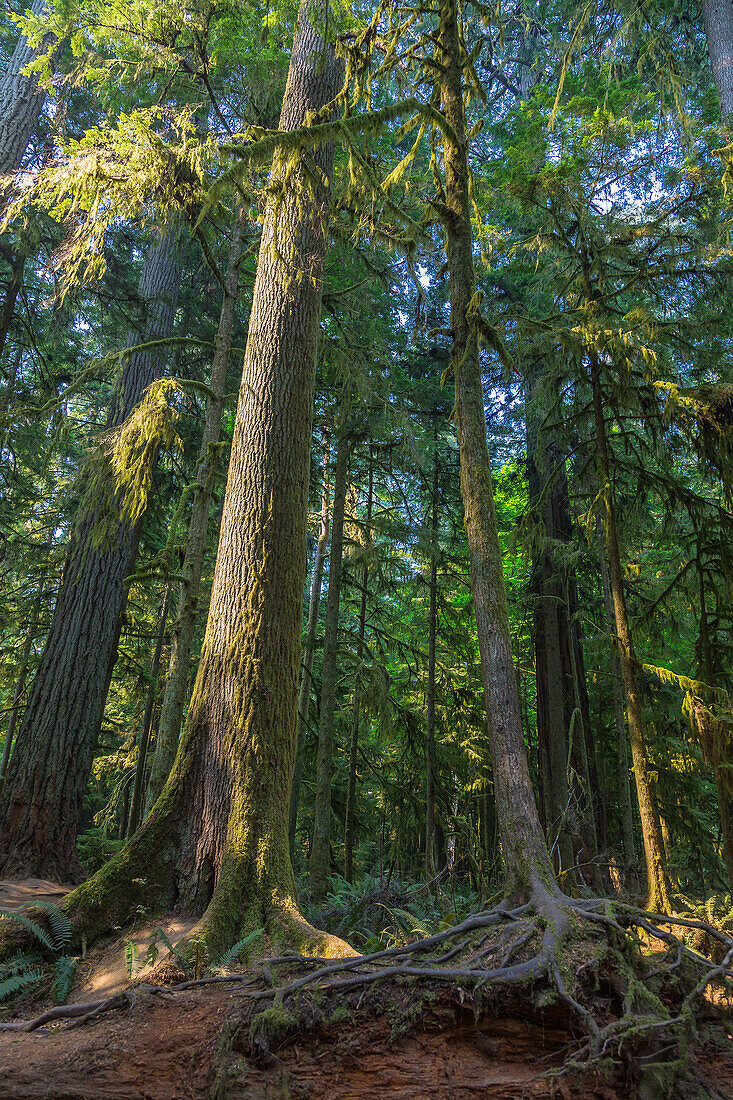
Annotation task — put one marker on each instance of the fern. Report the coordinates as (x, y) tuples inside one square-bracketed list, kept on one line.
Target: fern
[(59, 922), (17, 982), (64, 977), (131, 957), (30, 926), (17, 963), (234, 952)]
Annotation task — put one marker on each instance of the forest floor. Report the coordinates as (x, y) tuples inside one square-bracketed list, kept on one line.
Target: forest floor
[(197, 1044), (395, 1039)]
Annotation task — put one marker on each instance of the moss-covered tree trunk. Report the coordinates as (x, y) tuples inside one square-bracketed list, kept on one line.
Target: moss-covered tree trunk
[(216, 841), (49, 770), (619, 717), (658, 891), (356, 704), (184, 628), (144, 739), (309, 646), (526, 859), (320, 855), (430, 694)]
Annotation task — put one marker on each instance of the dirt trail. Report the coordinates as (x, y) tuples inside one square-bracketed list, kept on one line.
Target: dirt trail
[(195, 1045)]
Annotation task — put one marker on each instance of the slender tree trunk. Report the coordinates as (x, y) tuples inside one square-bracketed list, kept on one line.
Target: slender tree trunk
[(526, 859), (7, 397), (15, 282), (320, 869), (717, 16), (617, 688), (658, 891), (721, 766), (49, 771), (306, 676), (21, 101), (354, 742), (217, 838), (21, 677), (184, 629), (432, 625), (142, 749)]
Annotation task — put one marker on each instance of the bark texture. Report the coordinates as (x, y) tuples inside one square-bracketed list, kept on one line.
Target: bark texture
[(49, 770), (217, 838), (21, 101), (717, 16), (525, 855), (432, 631), (320, 856), (658, 891), (306, 676), (356, 705), (184, 629)]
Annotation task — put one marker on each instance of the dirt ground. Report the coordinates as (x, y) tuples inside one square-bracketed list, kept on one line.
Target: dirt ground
[(196, 1043)]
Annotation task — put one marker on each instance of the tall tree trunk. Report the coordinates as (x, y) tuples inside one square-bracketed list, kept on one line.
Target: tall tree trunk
[(617, 689), (526, 859), (432, 629), (717, 16), (319, 867), (184, 629), (658, 891), (306, 676), (21, 101), (217, 838), (15, 282), (142, 748), (49, 771), (21, 677), (712, 740), (354, 741)]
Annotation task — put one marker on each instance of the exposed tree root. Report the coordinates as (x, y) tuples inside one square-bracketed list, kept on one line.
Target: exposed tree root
[(628, 1006)]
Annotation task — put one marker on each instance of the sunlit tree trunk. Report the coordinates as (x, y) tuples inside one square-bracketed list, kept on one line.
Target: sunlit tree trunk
[(356, 706), (217, 838), (658, 891), (526, 859), (717, 16), (319, 870), (21, 101), (309, 646), (184, 628), (50, 767)]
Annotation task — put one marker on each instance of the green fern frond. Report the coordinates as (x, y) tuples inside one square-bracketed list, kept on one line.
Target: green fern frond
[(18, 963), (64, 977), (131, 957), (60, 925), (228, 958), (17, 982), (30, 926)]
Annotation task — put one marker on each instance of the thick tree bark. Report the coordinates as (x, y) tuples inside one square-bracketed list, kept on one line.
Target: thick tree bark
[(21, 101), (432, 630), (658, 891), (142, 748), (47, 777), (526, 859), (717, 16), (309, 646), (356, 707), (217, 838), (320, 855), (184, 629)]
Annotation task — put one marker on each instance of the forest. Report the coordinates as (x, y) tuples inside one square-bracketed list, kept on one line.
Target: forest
[(366, 513)]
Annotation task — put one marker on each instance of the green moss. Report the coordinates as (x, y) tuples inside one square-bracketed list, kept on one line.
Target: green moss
[(271, 1026)]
